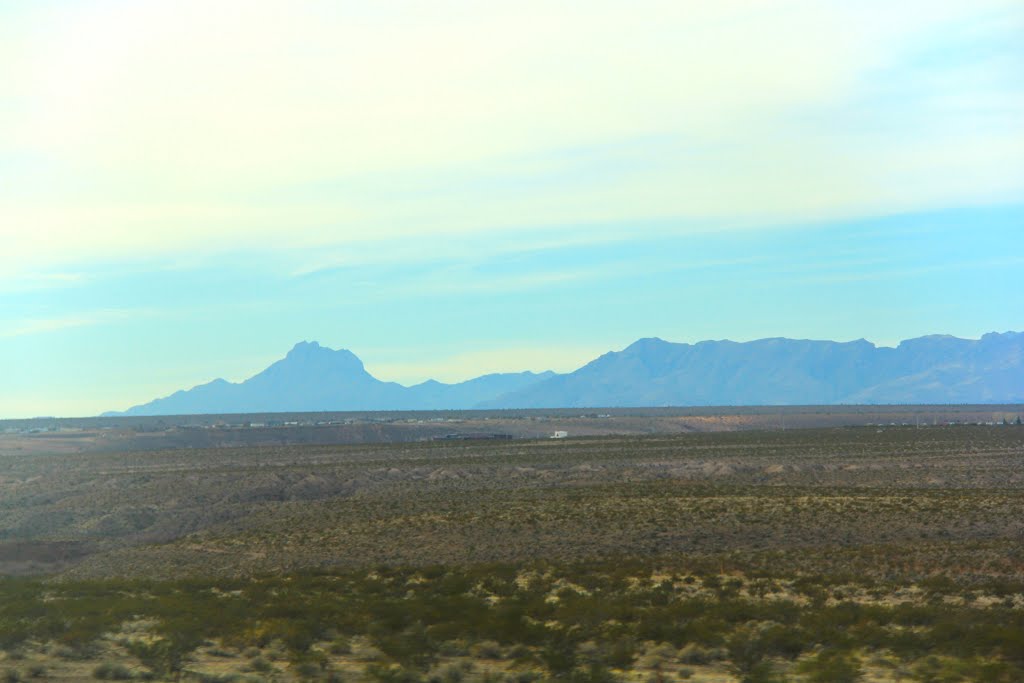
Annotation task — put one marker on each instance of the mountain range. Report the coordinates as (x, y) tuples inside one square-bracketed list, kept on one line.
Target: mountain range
[(649, 372)]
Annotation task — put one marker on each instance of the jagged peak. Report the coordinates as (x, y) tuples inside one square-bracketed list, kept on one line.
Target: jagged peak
[(311, 358), (1009, 334), (334, 374), (647, 343), (308, 349), (304, 347)]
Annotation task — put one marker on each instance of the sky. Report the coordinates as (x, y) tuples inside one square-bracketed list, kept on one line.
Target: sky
[(449, 188)]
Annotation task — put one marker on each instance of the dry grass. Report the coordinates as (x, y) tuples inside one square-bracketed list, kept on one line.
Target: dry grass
[(896, 552)]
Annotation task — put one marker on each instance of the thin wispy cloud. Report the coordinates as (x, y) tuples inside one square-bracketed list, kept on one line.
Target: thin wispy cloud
[(117, 142), (37, 326), (898, 273), (435, 249), (28, 282), (206, 183)]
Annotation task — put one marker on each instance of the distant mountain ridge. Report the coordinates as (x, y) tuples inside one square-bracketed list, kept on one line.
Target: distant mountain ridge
[(649, 372), (653, 372), (314, 378)]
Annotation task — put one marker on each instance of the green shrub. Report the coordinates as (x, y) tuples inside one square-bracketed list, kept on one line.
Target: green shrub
[(78, 652), (487, 649), (621, 654), (111, 671), (261, 664), (695, 654), (831, 667), (762, 672), (450, 673), (307, 669), (393, 674), (559, 655), (595, 673), (218, 678), (526, 676), (746, 651)]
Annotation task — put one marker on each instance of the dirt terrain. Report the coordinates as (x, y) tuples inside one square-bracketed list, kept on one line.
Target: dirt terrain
[(258, 509), (127, 434), (716, 554)]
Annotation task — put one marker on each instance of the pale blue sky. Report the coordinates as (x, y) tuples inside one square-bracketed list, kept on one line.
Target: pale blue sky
[(189, 188)]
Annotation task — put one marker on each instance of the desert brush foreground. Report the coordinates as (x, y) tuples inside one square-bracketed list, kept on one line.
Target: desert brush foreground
[(824, 555)]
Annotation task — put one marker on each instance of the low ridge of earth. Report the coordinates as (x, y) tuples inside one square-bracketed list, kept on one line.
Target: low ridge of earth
[(270, 508)]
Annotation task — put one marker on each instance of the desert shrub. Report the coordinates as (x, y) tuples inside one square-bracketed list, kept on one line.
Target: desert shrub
[(997, 672), (746, 650), (594, 673), (307, 669), (695, 654), (78, 652), (558, 655), (112, 671), (932, 669), (411, 617), (487, 649), (782, 641), (166, 656), (393, 674), (527, 676), (261, 664), (762, 672), (449, 673), (831, 667), (412, 646), (621, 653), (340, 646)]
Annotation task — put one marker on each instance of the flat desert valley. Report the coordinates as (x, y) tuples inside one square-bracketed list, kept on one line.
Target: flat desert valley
[(802, 544)]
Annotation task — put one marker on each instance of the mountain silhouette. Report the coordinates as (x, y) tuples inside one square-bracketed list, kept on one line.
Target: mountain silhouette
[(314, 378), (653, 372), (649, 372)]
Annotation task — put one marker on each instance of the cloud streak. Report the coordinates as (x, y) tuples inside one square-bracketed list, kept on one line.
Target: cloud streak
[(325, 124), (10, 329)]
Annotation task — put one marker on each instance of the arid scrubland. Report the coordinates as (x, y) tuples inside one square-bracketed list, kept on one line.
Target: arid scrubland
[(875, 554)]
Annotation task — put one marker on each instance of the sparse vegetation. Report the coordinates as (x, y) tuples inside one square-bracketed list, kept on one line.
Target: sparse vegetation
[(632, 617), (812, 556), (111, 671)]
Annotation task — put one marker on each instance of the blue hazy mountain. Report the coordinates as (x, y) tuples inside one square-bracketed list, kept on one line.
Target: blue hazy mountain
[(315, 378), (650, 372), (653, 372)]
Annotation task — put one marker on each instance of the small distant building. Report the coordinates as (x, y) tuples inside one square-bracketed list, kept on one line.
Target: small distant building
[(559, 435)]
